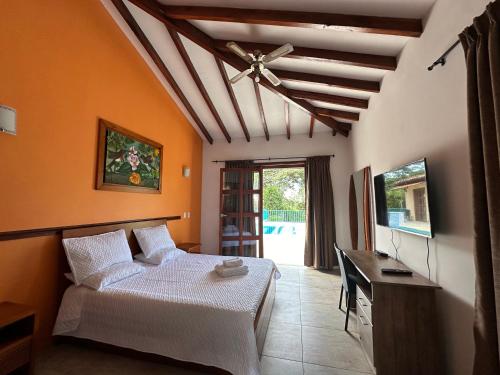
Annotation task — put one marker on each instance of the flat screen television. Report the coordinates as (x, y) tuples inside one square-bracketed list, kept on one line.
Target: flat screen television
[(402, 199)]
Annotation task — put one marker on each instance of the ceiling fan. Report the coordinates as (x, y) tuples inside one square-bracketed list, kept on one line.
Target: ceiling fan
[(257, 62)]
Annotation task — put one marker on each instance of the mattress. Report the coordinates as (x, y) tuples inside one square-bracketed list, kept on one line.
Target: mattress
[(182, 310)]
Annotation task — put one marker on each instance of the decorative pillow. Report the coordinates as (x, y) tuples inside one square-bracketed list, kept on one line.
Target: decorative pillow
[(161, 256), (91, 254), (154, 239), (112, 274)]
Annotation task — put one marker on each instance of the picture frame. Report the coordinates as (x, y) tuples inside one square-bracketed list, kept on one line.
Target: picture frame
[(127, 161)]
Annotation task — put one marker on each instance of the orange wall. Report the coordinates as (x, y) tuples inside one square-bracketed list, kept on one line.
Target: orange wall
[(63, 64)]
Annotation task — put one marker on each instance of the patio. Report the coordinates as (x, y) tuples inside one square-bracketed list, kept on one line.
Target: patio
[(284, 242)]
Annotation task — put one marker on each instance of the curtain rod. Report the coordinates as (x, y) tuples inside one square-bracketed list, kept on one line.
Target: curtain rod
[(269, 159), (442, 59)]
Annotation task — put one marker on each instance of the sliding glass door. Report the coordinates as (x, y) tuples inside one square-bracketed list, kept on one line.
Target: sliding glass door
[(240, 224)]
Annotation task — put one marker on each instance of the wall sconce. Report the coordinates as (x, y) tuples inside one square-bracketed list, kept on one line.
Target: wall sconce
[(186, 171), (7, 120)]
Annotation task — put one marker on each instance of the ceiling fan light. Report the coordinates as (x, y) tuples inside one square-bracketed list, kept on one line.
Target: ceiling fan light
[(257, 78)]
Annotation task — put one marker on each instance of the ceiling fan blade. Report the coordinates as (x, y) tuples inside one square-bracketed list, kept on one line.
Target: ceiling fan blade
[(240, 52), (271, 77), (285, 49), (239, 76)]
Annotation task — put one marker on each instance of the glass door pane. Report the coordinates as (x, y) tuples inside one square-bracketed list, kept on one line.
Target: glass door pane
[(230, 203), (231, 179), (240, 212)]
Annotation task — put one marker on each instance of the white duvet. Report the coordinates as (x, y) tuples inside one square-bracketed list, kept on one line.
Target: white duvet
[(181, 310)]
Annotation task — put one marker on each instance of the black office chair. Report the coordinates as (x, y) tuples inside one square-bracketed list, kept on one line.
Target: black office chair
[(348, 283)]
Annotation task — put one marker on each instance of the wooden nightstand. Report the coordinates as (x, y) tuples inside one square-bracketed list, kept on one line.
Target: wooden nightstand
[(190, 247), (17, 323)]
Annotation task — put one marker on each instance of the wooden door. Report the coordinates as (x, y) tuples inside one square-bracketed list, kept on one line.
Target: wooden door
[(240, 224)]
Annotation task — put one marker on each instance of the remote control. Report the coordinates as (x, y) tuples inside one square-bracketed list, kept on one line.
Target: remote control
[(396, 271)]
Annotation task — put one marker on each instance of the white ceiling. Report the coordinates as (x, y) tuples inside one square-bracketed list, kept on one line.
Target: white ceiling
[(207, 69)]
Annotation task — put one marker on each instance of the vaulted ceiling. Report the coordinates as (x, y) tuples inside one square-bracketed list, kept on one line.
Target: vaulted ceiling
[(342, 51)]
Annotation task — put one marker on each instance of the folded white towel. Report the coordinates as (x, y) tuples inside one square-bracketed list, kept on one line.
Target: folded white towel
[(230, 271), (234, 262)]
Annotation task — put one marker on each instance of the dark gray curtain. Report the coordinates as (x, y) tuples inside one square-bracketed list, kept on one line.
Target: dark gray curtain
[(320, 217), (481, 43)]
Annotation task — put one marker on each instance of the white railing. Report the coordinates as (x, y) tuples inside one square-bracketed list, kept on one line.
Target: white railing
[(288, 216)]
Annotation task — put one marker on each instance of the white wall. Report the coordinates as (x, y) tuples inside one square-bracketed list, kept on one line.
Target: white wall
[(420, 113), (300, 145)]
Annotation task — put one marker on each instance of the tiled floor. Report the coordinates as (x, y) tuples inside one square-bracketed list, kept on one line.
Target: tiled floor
[(306, 334), (306, 337)]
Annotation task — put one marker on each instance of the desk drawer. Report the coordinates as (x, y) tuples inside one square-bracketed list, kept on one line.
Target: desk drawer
[(365, 303), (365, 330)]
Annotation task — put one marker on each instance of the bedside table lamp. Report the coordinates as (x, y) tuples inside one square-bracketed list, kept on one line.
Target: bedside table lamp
[(7, 120)]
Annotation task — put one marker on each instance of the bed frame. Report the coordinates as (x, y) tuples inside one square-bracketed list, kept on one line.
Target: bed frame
[(261, 322)]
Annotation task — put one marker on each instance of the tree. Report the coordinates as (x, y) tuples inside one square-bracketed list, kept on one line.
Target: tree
[(284, 189), (273, 198)]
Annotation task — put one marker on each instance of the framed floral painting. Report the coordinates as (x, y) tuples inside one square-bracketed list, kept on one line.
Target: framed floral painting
[(127, 161)]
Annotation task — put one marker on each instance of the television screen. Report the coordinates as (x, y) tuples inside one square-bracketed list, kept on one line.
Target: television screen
[(402, 199)]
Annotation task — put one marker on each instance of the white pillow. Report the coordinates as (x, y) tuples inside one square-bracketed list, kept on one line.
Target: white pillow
[(160, 256), (112, 274), (154, 239), (89, 255)]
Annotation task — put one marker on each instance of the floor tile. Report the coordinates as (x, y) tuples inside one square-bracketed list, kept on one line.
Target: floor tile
[(327, 296), (288, 291), (318, 282), (286, 311), (290, 267), (310, 369), (319, 273), (289, 274), (278, 366), (327, 316), (289, 277), (333, 348), (284, 341)]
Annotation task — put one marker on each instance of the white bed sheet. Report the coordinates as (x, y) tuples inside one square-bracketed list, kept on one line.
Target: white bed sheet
[(181, 310)]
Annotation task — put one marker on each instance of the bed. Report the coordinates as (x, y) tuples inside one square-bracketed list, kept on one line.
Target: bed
[(179, 310)]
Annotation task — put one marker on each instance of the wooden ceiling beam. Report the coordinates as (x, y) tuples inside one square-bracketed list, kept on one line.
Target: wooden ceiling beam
[(311, 127), (287, 119), (346, 83), (315, 54), (328, 98), (197, 36), (340, 22), (134, 26), (261, 109), (232, 96), (353, 116), (197, 80)]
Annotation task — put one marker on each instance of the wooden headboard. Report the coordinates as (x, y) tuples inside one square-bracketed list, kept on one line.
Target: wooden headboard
[(99, 229)]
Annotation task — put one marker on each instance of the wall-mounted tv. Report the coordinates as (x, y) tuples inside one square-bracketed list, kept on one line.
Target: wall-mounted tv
[(402, 199)]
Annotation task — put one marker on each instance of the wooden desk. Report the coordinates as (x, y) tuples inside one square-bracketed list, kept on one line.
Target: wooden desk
[(397, 319)]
